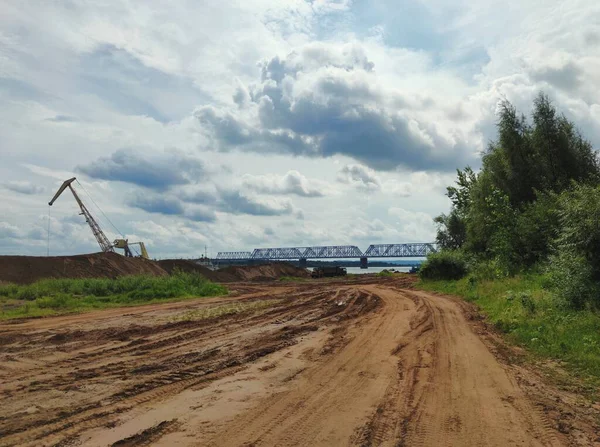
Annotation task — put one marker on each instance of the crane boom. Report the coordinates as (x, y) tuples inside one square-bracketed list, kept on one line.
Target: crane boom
[(103, 241)]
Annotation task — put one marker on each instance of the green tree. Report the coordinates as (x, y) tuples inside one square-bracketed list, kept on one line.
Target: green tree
[(508, 212), (452, 228), (460, 195), (575, 267), (545, 156), (537, 227)]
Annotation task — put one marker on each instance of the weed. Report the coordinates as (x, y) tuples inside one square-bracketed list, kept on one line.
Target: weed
[(52, 296), (292, 278), (527, 302)]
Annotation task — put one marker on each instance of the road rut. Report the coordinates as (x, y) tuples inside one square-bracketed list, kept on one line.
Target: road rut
[(361, 362)]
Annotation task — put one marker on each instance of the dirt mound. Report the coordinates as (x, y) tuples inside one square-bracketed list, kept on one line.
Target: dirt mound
[(263, 272), (28, 269), (171, 265)]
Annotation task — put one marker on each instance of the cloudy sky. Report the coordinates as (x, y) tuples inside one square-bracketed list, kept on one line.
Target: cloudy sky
[(257, 123)]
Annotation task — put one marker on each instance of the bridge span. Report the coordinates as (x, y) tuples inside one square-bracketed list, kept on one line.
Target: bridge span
[(410, 250)]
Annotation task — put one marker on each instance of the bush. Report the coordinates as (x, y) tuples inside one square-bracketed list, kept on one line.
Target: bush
[(572, 278), (575, 269), (444, 265), (60, 301), (489, 269)]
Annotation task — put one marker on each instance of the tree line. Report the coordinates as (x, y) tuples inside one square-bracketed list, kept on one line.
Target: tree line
[(533, 206)]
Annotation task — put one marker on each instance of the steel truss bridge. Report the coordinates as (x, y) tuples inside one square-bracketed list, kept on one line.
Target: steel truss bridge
[(413, 250)]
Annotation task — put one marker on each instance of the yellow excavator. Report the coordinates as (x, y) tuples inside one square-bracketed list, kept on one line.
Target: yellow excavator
[(103, 241), (125, 244)]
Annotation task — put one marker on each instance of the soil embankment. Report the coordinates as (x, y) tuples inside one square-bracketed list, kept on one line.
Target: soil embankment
[(363, 361), (28, 269), (184, 265), (260, 272), (263, 272)]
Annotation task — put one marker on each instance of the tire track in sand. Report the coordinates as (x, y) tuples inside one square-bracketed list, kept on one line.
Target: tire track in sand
[(453, 391), (414, 374), (401, 368)]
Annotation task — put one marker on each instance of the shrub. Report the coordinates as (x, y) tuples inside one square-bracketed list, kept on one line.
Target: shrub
[(489, 270), (527, 301), (575, 269), (572, 278), (60, 301), (444, 265)]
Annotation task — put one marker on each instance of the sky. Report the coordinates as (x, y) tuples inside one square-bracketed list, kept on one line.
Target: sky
[(233, 125)]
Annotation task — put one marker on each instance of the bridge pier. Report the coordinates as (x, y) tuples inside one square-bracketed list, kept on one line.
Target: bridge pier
[(364, 263), (303, 263)]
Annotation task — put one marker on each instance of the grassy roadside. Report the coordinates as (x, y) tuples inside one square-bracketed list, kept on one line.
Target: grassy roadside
[(533, 318), (60, 296)]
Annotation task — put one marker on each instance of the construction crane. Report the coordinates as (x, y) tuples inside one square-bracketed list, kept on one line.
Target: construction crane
[(103, 241), (125, 244)]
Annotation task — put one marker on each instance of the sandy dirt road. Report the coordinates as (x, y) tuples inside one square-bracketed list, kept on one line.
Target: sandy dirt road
[(358, 362)]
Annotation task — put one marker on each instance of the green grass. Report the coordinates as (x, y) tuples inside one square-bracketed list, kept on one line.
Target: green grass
[(531, 316), (58, 296), (292, 278), (385, 274)]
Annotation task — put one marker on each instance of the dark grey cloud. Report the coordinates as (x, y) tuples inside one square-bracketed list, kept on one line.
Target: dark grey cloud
[(199, 196), (274, 69), (241, 96), (170, 205), (339, 111), (226, 127), (201, 215), (62, 119), (234, 202), (360, 176), (156, 203), (291, 183), (231, 133), (23, 187), (159, 173), (201, 206), (567, 78)]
